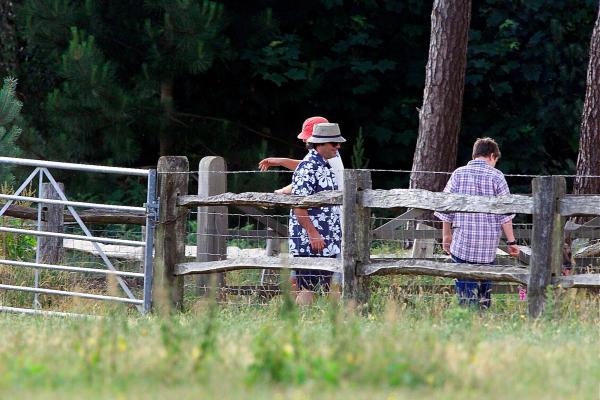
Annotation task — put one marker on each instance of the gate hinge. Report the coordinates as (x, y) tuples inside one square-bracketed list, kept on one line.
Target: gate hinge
[(152, 210)]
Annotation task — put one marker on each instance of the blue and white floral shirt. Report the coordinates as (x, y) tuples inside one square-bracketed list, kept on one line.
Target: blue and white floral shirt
[(313, 175)]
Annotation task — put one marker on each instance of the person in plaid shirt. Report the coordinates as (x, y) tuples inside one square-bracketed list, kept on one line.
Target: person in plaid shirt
[(473, 237)]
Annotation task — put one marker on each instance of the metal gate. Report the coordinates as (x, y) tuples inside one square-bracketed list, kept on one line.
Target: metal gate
[(41, 172)]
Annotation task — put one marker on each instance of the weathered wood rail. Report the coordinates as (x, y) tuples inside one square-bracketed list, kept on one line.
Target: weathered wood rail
[(92, 216), (260, 199), (548, 204)]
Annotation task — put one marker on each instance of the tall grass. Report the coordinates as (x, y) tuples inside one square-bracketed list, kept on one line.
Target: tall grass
[(327, 351)]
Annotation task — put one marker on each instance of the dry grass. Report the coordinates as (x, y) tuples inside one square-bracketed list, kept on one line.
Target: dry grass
[(324, 352)]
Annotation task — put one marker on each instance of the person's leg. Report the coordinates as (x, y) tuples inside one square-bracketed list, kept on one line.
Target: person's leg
[(311, 282), (305, 291), (325, 282), (305, 297), (485, 294), (466, 291)]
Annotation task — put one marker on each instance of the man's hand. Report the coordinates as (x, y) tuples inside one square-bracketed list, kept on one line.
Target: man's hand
[(317, 243), (446, 236), (284, 190), (513, 250), (267, 163)]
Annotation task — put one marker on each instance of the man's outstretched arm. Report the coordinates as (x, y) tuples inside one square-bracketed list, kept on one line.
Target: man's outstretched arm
[(288, 163)]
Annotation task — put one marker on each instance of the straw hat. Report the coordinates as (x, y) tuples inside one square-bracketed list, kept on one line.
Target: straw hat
[(325, 133)]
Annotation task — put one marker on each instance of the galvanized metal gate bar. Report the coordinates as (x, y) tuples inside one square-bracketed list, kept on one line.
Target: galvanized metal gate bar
[(74, 167), (38, 250), (18, 310), (19, 190), (151, 210), (71, 269), (94, 239), (87, 232), (152, 207), (72, 203), (74, 294)]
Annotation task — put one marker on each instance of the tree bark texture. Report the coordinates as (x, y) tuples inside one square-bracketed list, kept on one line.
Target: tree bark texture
[(588, 160), (440, 115)]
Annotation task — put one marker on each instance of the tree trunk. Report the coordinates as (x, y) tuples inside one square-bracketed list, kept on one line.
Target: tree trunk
[(167, 139), (440, 115), (588, 160)]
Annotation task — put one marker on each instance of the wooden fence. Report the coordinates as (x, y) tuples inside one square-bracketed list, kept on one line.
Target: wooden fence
[(549, 206)]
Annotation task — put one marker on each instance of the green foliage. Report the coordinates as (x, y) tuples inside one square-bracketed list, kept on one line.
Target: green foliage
[(246, 74), (525, 81), (10, 107), (17, 247), (48, 22), (20, 248), (90, 106), (278, 62), (184, 35), (358, 152)]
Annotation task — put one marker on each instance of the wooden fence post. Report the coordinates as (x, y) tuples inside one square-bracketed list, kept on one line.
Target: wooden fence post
[(273, 243), (356, 241), (51, 248), (273, 249), (547, 239), (170, 233), (423, 248), (212, 221)]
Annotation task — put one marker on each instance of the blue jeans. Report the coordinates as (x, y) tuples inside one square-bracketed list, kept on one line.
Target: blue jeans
[(473, 293)]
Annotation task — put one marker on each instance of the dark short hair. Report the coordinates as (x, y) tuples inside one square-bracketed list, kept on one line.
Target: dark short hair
[(485, 147), (311, 146)]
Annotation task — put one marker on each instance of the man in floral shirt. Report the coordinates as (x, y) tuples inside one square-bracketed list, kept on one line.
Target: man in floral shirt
[(316, 232)]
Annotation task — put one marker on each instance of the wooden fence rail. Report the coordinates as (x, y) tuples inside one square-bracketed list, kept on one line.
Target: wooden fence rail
[(548, 205)]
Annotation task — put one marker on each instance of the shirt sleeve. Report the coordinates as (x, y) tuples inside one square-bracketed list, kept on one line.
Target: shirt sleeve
[(501, 189), (303, 180), (450, 188)]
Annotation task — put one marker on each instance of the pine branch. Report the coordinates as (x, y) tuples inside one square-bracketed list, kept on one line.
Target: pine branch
[(9, 105)]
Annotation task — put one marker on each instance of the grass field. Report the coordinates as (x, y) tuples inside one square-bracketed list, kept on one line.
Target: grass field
[(424, 349)]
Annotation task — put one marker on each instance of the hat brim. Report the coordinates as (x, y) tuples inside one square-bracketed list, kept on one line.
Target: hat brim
[(337, 139), (304, 135)]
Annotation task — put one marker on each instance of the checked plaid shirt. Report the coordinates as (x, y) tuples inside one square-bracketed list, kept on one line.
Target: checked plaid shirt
[(475, 236)]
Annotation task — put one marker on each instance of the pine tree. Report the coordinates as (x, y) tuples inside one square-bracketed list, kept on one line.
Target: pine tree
[(115, 66), (440, 115), (186, 37), (588, 161), (10, 107)]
